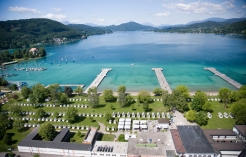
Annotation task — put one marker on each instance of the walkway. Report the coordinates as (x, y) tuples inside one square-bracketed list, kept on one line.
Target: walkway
[(226, 78), (69, 85), (162, 80), (98, 79)]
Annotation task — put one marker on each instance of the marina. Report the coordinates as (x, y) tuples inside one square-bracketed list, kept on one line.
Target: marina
[(30, 69), (162, 80), (224, 77), (98, 79)]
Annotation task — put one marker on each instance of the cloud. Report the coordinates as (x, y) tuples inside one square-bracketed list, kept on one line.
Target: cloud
[(55, 16), (23, 10), (244, 6), (201, 7), (57, 9), (100, 20), (166, 14)]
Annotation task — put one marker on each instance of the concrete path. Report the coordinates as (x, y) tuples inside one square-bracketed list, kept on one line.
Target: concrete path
[(179, 119)]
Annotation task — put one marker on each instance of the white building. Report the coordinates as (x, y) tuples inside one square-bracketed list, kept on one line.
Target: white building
[(105, 148), (163, 123), (55, 147)]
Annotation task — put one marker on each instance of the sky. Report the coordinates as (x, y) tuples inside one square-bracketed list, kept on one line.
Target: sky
[(109, 12)]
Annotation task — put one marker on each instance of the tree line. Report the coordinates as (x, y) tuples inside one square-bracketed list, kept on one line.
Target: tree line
[(7, 56)]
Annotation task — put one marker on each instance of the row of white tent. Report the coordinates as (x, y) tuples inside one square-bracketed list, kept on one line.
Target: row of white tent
[(60, 126), (53, 105), (124, 123), (143, 115)]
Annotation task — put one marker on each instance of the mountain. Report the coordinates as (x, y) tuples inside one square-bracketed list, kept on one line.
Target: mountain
[(92, 25), (130, 26), (214, 19), (24, 33), (148, 24), (88, 29)]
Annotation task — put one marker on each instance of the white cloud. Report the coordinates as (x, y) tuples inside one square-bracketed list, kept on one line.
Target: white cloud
[(201, 7), (57, 9), (55, 16), (244, 6), (166, 14), (100, 20), (23, 10)]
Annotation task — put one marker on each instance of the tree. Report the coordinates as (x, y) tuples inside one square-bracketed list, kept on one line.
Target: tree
[(4, 122), (207, 107), (56, 114), (71, 114), (18, 125), (25, 91), (121, 89), (54, 91), (199, 100), (63, 98), (78, 90), (157, 91), (79, 133), (41, 52), (190, 115), (108, 95), (166, 99), (7, 139), (47, 132), (201, 118), (13, 87), (143, 96), (243, 87), (238, 110), (183, 90), (39, 93), (146, 106), (2, 131), (14, 110), (224, 95), (40, 113), (108, 116), (93, 97), (3, 82), (234, 96), (68, 91), (15, 96)]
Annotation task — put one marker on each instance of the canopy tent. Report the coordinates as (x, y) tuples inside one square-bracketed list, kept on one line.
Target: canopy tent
[(128, 120)]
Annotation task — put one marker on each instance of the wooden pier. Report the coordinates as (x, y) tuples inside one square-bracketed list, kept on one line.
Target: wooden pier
[(162, 80), (224, 77), (69, 85), (98, 79)]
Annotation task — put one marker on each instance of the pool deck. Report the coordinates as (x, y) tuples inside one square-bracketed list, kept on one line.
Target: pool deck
[(162, 80), (99, 79), (224, 77)]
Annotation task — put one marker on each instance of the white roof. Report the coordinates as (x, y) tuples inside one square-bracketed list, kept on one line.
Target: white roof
[(128, 119), (135, 121), (121, 119), (120, 126), (143, 121), (121, 123), (127, 126), (127, 123), (135, 126), (118, 147), (143, 126)]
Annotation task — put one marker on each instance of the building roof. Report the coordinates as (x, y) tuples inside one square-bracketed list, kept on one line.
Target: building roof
[(163, 141), (113, 147), (90, 135), (177, 141), (241, 129), (163, 120), (33, 49), (194, 140), (61, 135), (32, 134), (55, 145), (219, 132)]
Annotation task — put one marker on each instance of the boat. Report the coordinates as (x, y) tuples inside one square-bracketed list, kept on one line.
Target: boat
[(58, 64), (132, 64)]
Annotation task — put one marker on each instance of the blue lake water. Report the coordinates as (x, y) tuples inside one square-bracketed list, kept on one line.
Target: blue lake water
[(182, 57)]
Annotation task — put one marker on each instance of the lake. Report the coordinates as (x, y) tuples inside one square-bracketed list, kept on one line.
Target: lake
[(182, 57)]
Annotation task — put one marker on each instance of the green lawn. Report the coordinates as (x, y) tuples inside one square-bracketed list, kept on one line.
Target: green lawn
[(219, 123), (16, 138), (106, 137)]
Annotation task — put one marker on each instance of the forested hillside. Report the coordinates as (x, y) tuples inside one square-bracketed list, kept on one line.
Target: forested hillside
[(130, 26), (88, 29)]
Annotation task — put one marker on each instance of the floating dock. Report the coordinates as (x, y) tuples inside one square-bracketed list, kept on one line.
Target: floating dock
[(224, 77), (99, 79), (69, 85), (162, 80)]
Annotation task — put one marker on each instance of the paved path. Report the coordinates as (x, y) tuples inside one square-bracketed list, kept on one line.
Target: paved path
[(224, 77), (179, 119), (98, 79), (162, 80)]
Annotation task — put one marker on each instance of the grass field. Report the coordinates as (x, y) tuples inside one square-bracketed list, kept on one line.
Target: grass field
[(157, 106)]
